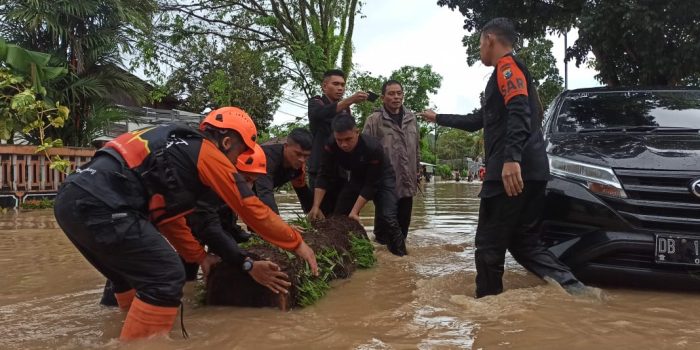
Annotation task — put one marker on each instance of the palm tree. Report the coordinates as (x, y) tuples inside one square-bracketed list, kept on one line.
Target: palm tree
[(89, 37)]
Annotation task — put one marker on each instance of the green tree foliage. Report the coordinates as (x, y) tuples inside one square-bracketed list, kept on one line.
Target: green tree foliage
[(638, 42), (313, 35), (634, 42), (444, 171), (365, 81), (457, 144), (88, 37), (22, 75), (451, 144), (23, 106), (227, 73), (280, 131), (537, 55)]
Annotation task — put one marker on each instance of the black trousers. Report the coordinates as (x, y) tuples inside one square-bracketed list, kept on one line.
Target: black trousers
[(509, 223), (386, 224), (125, 247), (405, 210), (331, 198)]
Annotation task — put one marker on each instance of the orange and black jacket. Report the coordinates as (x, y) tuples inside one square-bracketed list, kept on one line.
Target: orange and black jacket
[(166, 169), (277, 175), (511, 119)]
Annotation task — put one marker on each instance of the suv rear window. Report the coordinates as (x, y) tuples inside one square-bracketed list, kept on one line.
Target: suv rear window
[(592, 110)]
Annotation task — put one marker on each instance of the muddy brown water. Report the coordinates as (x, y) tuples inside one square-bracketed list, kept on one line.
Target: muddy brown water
[(49, 299)]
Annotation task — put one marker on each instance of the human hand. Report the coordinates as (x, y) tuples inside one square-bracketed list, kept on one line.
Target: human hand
[(305, 252), (359, 96), (315, 214), (355, 217), (429, 115), (512, 179), (209, 261), (269, 275)]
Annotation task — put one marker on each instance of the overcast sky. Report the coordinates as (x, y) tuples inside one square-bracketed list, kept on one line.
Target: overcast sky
[(395, 33)]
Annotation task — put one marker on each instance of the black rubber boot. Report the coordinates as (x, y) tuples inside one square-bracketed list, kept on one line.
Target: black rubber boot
[(108, 298), (397, 246)]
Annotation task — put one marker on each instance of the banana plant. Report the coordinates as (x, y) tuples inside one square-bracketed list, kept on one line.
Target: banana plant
[(23, 103)]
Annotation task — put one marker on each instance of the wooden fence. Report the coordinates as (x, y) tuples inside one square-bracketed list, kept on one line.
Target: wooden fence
[(25, 174)]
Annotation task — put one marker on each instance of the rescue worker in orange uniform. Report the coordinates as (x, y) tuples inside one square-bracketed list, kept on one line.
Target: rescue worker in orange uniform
[(252, 165), (214, 224), (120, 207)]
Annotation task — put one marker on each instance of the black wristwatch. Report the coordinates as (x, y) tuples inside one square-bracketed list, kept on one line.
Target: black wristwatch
[(247, 264)]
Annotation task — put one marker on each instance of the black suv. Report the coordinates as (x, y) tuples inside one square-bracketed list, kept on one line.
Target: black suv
[(624, 202)]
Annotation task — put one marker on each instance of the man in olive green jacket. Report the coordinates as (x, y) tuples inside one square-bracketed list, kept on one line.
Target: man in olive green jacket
[(397, 130)]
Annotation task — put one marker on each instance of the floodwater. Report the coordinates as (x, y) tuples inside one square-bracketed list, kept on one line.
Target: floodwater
[(49, 299)]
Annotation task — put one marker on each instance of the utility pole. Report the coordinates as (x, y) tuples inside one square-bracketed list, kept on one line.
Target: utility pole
[(566, 63), (435, 149)]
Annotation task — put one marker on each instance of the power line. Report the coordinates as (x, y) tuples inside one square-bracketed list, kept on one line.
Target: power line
[(295, 103)]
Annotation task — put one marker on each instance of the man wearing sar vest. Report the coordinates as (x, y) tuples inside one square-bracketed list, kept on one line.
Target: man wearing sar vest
[(120, 207), (517, 170)]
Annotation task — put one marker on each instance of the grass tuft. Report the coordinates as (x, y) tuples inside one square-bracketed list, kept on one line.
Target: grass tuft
[(311, 288), (254, 241), (302, 222), (362, 251)]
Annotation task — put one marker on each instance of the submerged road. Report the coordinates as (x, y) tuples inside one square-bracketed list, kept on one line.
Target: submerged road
[(49, 299)]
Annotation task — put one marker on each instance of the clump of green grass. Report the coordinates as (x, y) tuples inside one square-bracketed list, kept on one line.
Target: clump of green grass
[(362, 251), (311, 288), (302, 222), (254, 241), (331, 264)]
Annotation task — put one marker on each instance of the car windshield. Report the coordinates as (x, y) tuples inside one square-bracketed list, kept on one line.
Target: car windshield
[(629, 111)]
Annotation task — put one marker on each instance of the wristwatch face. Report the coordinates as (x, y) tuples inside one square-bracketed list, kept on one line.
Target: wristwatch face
[(247, 265)]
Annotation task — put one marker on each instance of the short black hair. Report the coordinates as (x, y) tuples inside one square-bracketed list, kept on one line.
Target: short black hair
[(333, 72), (390, 82), (342, 123), (503, 28), (301, 137)]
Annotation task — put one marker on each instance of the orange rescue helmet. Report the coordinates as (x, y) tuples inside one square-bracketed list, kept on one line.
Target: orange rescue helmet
[(253, 161), (233, 118)]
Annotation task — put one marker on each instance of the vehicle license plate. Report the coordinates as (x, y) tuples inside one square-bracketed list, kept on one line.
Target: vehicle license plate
[(681, 250)]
